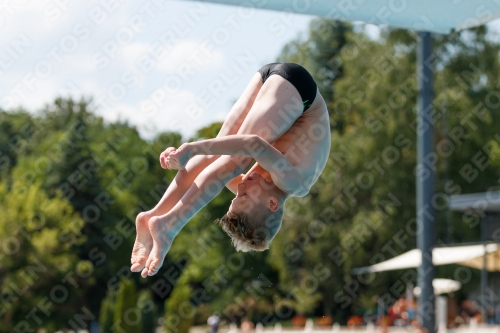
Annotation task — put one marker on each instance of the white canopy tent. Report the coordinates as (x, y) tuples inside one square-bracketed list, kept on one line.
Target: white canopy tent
[(471, 256)]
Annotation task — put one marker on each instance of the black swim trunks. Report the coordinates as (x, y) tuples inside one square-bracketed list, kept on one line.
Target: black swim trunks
[(296, 75)]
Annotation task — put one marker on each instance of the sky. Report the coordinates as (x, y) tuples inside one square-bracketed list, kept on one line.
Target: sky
[(160, 65)]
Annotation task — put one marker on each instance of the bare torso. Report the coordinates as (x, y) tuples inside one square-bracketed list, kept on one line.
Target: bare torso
[(306, 144)]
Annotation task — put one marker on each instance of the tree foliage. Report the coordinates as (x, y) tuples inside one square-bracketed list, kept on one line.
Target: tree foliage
[(364, 203), (72, 184), (37, 234), (106, 314), (127, 318)]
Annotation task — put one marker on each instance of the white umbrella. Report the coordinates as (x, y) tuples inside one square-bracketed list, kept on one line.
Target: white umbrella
[(467, 255), (441, 286)]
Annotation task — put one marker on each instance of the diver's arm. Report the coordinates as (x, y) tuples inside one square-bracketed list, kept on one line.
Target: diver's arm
[(235, 145), (205, 187), (284, 175)]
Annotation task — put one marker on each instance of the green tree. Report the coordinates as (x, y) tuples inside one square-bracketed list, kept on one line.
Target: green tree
[(360, 211), (208, 132), (56, 148), (37, 234), (126, 317), (16, 129), (362, 208), (148, 312), (76, 175), (106, 314), (178, 310)]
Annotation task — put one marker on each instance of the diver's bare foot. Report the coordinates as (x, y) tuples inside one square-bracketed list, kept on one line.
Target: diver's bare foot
[(143, 242), (161, 232)]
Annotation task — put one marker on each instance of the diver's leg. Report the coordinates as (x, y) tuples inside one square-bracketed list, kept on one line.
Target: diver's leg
[(240, 109), (184, 178), (181, 183), (276, 108), (197, 164)]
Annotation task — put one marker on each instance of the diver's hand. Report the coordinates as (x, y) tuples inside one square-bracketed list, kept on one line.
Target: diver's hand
[(180, 156), (164, 156)]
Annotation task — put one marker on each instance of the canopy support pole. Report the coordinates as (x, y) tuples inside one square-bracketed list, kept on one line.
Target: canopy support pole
[(484, 272), (425, 181)]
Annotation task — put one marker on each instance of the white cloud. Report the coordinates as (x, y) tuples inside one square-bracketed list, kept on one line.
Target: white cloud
[(187, 56), (181, 112), (31, 95), (197, 55), (131, 53), (78, 62)]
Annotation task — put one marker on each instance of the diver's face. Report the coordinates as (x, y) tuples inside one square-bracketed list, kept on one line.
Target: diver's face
[(254, 191)]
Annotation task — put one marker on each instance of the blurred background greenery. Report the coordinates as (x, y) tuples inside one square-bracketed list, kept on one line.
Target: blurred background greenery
[(71, 186)]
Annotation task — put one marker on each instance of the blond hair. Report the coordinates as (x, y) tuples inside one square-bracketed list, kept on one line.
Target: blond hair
[(252, 235)]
